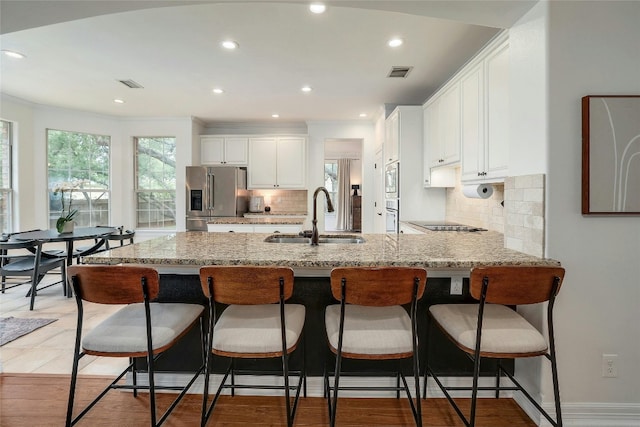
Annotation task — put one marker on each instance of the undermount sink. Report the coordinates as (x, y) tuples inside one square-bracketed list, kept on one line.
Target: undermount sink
[(335, 238)]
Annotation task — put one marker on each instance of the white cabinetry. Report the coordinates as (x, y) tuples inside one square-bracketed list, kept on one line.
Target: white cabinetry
[(445, 149), (472, 87), (254, 228), (407, 229), (442, 128), (392, 135), (277, 228), (222, 150), (277, 162), (485, 111)]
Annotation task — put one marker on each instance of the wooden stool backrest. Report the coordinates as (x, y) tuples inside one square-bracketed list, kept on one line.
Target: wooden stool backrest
[(246, 285), (113, 284), (378, 286), (515, 285)]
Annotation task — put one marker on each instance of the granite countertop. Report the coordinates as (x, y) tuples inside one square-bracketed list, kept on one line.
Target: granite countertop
[(432, 250), (262, 219)]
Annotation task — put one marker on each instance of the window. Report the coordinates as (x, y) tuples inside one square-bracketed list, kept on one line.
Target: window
[(155, 182), (6, 194), (75, 157), (331, 180)]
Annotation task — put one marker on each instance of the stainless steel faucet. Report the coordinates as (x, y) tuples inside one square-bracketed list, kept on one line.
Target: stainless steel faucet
[(314, 232)]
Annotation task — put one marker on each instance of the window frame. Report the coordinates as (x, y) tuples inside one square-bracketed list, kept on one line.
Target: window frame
[(138, 191), (90, 212), (8, 191)]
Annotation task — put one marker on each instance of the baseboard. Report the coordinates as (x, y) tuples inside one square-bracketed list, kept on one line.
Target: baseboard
[(581, 414)]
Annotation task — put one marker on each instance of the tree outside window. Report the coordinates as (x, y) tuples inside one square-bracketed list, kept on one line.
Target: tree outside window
[(155, 182), (72, 157), (6, 193), (331, 180)]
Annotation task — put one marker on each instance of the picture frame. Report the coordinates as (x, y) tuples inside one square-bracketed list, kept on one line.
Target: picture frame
[(611, 155)]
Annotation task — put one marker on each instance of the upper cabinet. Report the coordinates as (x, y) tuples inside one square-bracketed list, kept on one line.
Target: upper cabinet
[(445, 147), (466, 122), (222, 150), (485, 123), (277, 162), (392, 137)]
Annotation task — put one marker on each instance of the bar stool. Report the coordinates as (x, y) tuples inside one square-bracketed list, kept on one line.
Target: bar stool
[(256, 324), (140, 329), (491, 329), (371, 324)]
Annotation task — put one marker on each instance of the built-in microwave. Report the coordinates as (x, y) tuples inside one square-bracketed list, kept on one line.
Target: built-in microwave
[(392, 181)]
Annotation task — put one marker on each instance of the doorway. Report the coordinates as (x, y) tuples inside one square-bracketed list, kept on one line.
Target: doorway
[(341, 182)]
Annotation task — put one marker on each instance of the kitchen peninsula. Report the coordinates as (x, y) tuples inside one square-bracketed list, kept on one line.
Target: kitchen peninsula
[(435, 251), (179, 256)]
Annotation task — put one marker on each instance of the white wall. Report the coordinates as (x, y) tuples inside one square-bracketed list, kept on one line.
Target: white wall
[(593, 48), (21, 115), (560, 52), (319, 132), (31, 171), (528, 98)]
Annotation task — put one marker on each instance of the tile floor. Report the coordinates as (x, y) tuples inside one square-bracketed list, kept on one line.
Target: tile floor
[(49, 350)]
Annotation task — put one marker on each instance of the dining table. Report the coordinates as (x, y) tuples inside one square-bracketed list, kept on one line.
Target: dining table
[(78, 233)]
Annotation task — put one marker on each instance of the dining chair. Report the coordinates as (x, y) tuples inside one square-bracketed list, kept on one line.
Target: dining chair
[(370, 323), (255, 324), (141, 329), (124, 237), (492, 329), (25, 259)]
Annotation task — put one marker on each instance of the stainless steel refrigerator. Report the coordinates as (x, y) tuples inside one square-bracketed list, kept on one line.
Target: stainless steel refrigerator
[(214, 192)]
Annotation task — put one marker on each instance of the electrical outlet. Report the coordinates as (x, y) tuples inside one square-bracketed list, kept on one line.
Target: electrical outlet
[(456, 286), (610, 365)]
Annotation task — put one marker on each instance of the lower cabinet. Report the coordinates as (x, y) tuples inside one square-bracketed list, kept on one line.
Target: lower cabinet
[(407, 229), (356, 213), (254, 228)]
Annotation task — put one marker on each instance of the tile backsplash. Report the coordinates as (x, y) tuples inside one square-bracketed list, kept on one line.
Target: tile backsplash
[(483, 213), (524, 214), (283, 201), (521, 220)]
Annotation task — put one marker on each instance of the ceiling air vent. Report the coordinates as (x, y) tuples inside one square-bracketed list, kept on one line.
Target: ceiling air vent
[(131, 84), (401, 72)]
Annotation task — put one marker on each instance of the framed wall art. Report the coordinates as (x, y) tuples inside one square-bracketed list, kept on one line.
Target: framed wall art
[(611, 155)]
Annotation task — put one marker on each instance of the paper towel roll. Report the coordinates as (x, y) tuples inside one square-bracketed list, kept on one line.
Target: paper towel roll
[(482, 191)]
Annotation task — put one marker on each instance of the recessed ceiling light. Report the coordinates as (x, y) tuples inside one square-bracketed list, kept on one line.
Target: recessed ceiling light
[(118, 101), (230, 44), (218, 90), (275, 116), (306, 89), (363, 114), (13, 54), (317, 7), (395, 42)]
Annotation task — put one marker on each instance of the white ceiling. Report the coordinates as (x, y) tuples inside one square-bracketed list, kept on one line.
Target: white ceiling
[(174, 52)]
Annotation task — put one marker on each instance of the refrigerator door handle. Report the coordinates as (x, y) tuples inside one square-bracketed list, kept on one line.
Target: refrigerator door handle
[(211, 178)]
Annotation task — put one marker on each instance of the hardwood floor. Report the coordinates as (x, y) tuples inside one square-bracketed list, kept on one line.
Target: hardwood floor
[(41, 400)]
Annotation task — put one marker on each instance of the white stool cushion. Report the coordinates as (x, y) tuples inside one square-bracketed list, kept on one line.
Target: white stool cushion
[(370, 330), (256, 328), (125, 331), (503, 330)]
